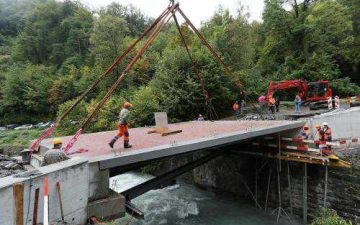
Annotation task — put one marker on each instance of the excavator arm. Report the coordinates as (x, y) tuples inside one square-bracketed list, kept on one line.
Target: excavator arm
[(283, 85)]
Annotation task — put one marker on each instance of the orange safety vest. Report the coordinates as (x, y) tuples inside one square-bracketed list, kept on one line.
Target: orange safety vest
[(328, 134), (236, 106), (272, 101)]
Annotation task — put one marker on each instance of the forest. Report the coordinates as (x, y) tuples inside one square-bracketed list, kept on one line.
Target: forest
[(51, 51)]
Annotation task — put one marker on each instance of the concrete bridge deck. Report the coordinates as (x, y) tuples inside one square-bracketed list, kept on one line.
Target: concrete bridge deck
[(196, 135)]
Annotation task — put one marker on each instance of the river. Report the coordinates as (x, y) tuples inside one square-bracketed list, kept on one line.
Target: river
[(184, 204)]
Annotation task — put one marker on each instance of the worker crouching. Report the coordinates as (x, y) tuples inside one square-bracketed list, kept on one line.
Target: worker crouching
[(54, 155), (123, 126)]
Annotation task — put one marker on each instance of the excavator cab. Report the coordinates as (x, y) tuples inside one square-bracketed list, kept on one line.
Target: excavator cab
[(318, 91)]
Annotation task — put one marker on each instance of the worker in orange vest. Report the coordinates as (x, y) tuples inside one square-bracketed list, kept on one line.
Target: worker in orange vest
[(305, 135), (272, 103), (326, 134), (317, 135), (237, 109), (123, 126)]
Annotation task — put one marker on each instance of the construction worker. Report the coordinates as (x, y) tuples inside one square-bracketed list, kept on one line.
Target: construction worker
[(237, 109), (271, 104), (317, 134), (305, 133), (297, 104), (326, 132), (201, 118), (55, 154), (123, 126)]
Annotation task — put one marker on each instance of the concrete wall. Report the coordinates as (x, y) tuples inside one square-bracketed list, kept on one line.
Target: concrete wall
[(345, 124), (73, 176)]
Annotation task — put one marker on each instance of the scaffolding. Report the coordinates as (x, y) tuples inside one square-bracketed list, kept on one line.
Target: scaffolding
[(288, 155)]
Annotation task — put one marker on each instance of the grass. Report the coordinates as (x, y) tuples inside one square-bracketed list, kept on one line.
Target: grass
[(18, 138)]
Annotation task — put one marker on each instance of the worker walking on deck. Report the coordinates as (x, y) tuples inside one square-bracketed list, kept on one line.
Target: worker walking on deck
[(123, 126)]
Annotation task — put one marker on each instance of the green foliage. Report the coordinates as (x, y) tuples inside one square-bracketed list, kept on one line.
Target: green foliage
[(18, 138), (54, 31), (25, 89), (329, 217), (145, 103), (108, 38)]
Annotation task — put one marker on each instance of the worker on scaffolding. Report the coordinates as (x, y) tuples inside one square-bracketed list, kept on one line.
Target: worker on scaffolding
[(123, 126), (56, 154), (305, 135), (326, 133), (317, 134)]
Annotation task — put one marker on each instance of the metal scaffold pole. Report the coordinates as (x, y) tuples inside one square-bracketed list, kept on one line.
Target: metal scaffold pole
[(326, 185), (268, 189), (256, 180), (305, 187), (290, 189)]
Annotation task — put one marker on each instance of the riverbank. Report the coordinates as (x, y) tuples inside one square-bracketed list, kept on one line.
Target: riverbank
[(12, 142)]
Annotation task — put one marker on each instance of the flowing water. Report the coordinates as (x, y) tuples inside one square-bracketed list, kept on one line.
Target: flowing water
[(184, 204)]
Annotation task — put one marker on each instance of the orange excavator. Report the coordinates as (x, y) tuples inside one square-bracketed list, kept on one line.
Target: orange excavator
[(313, 94)]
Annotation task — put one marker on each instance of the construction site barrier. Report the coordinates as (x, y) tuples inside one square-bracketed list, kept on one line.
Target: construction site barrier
[(337, 143), (282, 146), (330, 106), (337, 102)]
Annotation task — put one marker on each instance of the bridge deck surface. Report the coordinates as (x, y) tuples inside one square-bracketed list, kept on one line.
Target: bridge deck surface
[(195, 132)]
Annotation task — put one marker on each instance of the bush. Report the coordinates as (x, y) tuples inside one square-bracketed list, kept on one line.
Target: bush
[(330, 217)]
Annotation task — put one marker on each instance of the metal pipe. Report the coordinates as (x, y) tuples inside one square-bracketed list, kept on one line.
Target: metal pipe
[(326, 185), (268, 189), (305, 187), (289, 185)]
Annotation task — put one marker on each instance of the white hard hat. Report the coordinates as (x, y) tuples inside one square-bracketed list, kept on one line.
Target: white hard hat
[(325, 124)]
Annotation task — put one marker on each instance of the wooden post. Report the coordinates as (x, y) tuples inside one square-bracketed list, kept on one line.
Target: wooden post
[(60, 200), (18, 190), (36, 205)]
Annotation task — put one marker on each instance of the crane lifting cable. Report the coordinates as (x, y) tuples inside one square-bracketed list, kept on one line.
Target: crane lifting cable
[(209, 107), (161, 23), (213, 52), (155, 27), (49, 131), (150, 39)]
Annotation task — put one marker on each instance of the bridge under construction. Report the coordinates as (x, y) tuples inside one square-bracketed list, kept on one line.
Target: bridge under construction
[(84, 179)]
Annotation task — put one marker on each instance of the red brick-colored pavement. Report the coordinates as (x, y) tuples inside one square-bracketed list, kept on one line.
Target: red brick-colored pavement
[(97, 143)]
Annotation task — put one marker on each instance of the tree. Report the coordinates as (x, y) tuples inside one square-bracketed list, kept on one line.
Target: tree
[(108, 39), (54, 31), (135, 19)]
